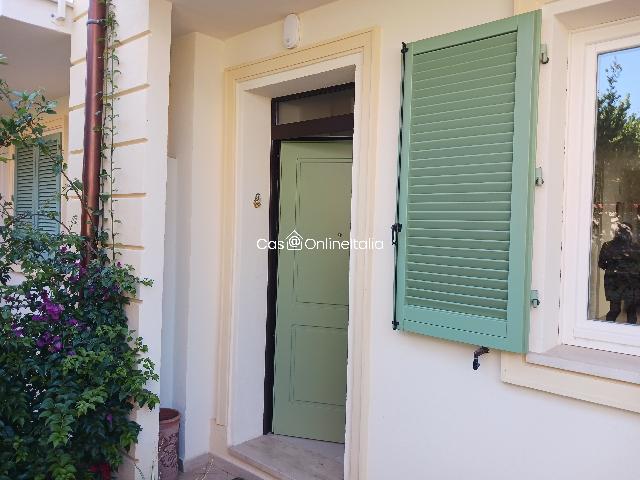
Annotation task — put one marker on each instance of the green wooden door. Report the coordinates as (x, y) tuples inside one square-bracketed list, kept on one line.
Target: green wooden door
[(313, 291)]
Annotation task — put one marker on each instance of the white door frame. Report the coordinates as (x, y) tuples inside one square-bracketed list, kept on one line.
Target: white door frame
[(243, 309)]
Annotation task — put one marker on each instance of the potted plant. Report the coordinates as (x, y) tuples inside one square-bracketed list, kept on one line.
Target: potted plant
[(71, 370)]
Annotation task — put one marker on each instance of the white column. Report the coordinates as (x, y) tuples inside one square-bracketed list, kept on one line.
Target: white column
[(195, 141), (142, 105)]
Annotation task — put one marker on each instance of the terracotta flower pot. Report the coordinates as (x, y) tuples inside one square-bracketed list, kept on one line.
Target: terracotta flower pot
[(168, 444), (103, 470)]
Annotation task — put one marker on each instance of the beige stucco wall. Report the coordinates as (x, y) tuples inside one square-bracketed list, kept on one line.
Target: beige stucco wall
[(141, 154), (196, 94), (429, 414), (522, 6)]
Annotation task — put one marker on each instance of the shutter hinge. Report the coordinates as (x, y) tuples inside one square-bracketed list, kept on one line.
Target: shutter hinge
[(539, 177), (405, 49), (544, 54), (534, 298), (396, 228)]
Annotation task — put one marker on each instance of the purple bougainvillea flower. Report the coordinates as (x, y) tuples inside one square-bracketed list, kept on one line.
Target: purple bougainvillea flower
[(109, 418), (56, 344), (38, 318), (73, 322), (53, 309), (17, 330), (44, 340), (71, 352)]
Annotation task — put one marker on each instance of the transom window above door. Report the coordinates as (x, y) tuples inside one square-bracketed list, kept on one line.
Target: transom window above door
[(324, 103)]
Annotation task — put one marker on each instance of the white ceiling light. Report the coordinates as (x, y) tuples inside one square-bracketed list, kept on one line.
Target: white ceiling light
[(291, 31)]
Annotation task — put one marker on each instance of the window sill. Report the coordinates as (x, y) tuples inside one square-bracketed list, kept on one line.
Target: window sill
[(516, 370), (615, 366)]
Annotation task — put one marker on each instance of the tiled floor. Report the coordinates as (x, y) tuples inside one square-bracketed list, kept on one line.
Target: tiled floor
[(289, 458), (286, 458), (208, 472), (334, 451)]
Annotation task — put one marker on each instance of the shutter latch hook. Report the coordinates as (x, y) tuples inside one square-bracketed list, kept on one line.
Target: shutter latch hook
[(396, 228), (476, 356)]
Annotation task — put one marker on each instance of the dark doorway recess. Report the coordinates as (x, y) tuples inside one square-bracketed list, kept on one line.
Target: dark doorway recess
[(329, 128)]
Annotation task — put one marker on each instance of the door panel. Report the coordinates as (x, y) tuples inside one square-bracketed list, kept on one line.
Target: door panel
[(323, 213), (313, 291)]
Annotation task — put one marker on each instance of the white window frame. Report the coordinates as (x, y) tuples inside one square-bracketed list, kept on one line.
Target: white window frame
[(575, 326), (588, 374)]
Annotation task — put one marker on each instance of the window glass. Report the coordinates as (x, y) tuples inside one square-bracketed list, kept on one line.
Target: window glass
[(614, 283), (340, 102)]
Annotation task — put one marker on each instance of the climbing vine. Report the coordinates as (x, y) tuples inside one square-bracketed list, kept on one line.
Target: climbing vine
[(109, 130)]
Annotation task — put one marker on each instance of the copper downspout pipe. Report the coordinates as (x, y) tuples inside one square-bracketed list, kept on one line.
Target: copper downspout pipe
[(96, 30)]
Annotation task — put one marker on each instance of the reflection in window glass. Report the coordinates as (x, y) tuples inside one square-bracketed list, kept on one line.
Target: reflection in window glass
[(614, 283), (340, 102)]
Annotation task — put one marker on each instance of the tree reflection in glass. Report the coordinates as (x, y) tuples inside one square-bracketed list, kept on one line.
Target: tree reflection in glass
[(614, 283)]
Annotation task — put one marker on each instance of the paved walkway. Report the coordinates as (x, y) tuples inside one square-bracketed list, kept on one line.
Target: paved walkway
[(208, 472)]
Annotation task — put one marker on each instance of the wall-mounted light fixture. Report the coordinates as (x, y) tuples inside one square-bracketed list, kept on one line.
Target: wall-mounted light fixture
[(291, 31)]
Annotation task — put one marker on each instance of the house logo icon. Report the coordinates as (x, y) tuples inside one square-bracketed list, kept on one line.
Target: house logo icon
[(294, 241)]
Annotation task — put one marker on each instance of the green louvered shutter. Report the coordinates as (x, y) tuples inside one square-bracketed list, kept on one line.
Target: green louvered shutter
[(466, 180), (49, 186), (25, 184), (37, 185)]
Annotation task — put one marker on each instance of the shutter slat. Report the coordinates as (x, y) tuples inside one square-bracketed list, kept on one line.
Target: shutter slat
[(462, 280), (460, 234), (464, 141), (470, 206), (496, 245), (464, 186), (463, 124), (498, 58), (464, 105), (480, 274), (462, 161), (477, 130), (480, 108), (470, 223), (491, 81), (460, 178), (464, 169), (426, 255), (461, 215), (432, 301), (460, 197), (462, 151), (458, 252), (454, 296), (460, 53), (467, 290)]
